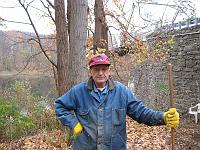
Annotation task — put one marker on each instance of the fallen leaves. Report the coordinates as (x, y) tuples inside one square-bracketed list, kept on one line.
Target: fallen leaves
[(139, 137), (54, 140)]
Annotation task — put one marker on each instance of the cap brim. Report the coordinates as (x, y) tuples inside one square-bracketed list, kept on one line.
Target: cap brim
[(100, 63)]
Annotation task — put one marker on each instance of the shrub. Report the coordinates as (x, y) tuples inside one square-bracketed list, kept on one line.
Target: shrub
[(24, 112), (13, 124)]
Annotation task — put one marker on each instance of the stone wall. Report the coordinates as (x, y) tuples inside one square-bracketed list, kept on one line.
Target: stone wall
[(150, 80)]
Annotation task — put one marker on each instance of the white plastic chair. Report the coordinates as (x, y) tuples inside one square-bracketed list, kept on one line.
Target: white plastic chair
[(195, 110)]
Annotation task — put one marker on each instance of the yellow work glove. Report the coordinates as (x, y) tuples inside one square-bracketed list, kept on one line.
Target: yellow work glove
[(77, 129), (171, 118)]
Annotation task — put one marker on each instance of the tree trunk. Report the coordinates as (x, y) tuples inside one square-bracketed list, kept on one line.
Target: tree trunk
[(101, 30), (62, 46), (77, 21)]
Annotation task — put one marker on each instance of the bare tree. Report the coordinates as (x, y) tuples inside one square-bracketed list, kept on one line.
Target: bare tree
[(70, 41), (77, 24), (101, 29), (62, 46)]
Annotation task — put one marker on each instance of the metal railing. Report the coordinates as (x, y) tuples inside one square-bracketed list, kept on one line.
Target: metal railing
[(182, 24)]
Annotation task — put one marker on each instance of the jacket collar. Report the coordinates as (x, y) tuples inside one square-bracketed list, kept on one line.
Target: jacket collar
[(90, 83)]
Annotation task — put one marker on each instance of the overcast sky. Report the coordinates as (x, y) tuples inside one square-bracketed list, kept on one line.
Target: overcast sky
[(11, 10)]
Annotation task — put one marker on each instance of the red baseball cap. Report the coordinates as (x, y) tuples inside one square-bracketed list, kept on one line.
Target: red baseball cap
[(99, 59)]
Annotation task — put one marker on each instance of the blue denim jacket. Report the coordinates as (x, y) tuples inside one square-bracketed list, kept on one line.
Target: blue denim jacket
[(104, 121)]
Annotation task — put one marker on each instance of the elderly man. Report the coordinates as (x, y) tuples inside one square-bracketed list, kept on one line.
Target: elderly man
[(96, 110)]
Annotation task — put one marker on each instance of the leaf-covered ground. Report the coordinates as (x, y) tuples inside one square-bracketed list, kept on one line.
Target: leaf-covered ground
[(140, 137)]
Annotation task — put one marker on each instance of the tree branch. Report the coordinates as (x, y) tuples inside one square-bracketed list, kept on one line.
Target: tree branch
[(37, 35)]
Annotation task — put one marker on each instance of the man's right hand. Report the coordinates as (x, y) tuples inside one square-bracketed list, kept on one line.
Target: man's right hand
[(77, 129)]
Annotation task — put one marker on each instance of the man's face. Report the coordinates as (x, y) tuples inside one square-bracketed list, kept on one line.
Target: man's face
[(100, 74)]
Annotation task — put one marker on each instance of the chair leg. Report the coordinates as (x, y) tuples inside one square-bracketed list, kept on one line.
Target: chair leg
[(196, 118), (189, 118)]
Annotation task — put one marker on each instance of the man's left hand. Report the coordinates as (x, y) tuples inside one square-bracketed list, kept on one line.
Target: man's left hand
[(171, 118)]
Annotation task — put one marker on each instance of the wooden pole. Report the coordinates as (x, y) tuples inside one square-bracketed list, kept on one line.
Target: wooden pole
[(171, 87)]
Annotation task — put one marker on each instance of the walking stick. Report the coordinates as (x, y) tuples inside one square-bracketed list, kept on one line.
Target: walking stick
[(171, 87)]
